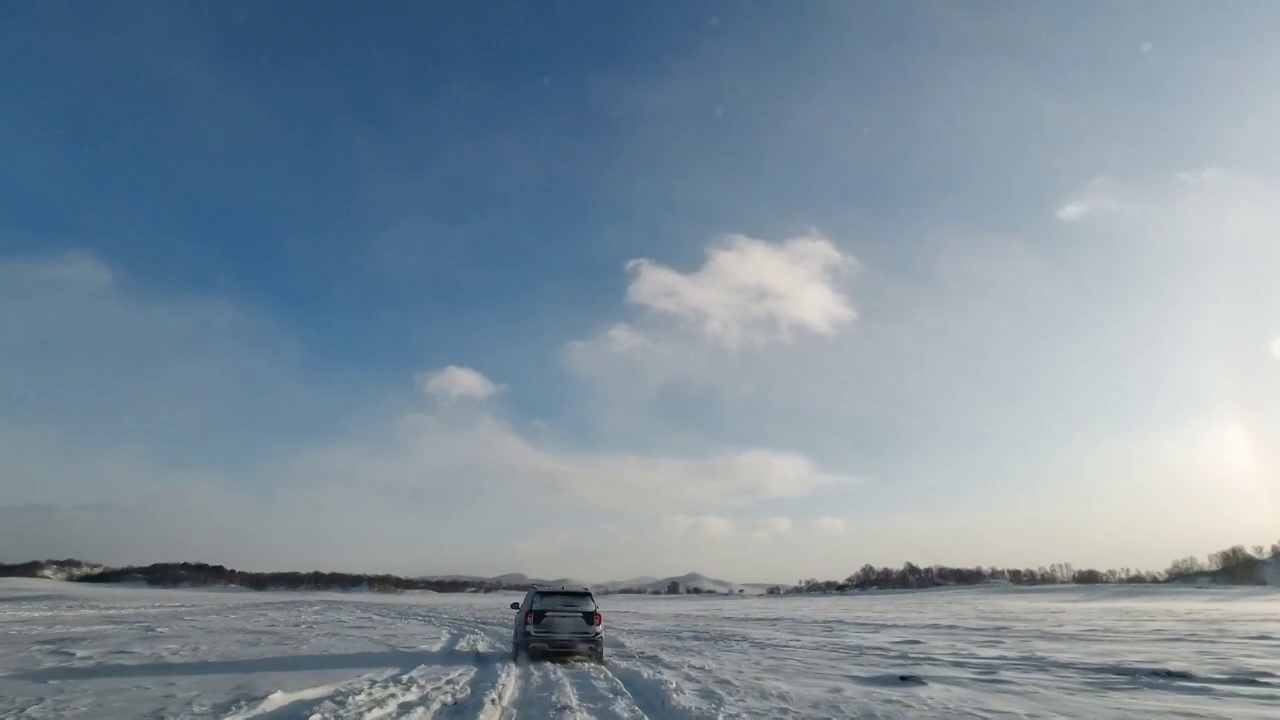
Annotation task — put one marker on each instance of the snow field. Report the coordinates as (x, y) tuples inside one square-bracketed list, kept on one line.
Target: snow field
[(70, 650)]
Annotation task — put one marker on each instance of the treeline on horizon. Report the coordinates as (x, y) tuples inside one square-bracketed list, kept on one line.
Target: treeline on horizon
[(1234, 566), (188, 574), (1237, 565)]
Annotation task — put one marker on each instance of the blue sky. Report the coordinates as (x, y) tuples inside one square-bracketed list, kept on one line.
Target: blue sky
[(766, 288)]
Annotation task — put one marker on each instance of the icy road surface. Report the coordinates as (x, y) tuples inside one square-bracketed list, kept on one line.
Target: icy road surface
[(69, 650)]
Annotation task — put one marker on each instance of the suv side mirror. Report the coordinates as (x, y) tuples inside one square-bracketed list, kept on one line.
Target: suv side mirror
[(515, 606)]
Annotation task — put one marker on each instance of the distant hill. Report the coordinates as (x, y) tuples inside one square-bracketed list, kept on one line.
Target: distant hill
[(512, 580), (690, 583), (644, 581), (51, 569)]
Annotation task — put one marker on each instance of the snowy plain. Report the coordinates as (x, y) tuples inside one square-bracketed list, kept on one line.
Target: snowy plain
[(70, 650)]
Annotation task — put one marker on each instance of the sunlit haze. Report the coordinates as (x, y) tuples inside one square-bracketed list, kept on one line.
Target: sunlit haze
[(758, 290)]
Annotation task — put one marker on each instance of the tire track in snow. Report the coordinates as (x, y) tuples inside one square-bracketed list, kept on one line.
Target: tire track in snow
[(666, 685), (443, 692), (603, 694), (573, 690), (415, 692), (498, 684), (493, 685), (344, 699), (281, 702), (660, 697), (461, 672), (497, 635), (543, 695)]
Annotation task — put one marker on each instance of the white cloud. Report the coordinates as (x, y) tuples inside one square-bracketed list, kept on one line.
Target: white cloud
[(769, 528), (749, 294), (1145, 47), (73, 268), (454, 383), (713, 527), (1204, 175), (720, 527), (622, 338), (1275, 347), (828, 525), (1073, 211), (1101, 196), (451, 457), (751, 290), (735, 479)]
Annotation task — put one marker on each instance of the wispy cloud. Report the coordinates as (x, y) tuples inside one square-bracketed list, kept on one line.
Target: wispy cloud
[(719, 527), (73, 268), (714, 527), (1072, 212), (453, 383), (1203, 175), (1101, 196), (769, 528), (829, 525)]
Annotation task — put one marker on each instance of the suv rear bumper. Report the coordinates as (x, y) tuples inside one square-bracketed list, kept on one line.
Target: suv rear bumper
[(564, 643)]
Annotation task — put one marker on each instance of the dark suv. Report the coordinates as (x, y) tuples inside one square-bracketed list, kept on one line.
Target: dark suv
[(561, 621)]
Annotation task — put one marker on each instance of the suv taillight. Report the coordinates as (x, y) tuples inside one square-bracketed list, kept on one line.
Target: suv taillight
[(528, 618), (598, 619)]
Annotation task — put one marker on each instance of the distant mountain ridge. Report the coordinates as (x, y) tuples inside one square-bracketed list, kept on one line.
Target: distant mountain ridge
[(689, 583), (505, 579), (187, 574), (693, 582), (1236, 565)]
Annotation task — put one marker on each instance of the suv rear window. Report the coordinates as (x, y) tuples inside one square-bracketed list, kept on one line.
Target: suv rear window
[(563, 601)]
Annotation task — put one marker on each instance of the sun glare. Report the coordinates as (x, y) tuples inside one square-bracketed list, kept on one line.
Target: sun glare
[(1236, 444)]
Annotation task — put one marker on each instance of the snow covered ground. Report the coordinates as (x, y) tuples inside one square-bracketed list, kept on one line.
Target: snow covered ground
[(71, 650)]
